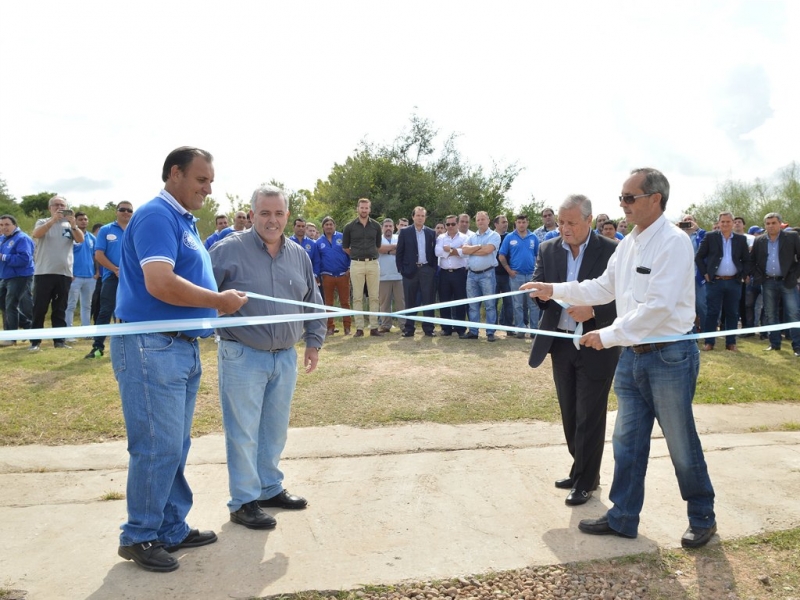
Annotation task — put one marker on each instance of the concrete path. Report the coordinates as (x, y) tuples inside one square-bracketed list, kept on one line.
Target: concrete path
[(411, 502)]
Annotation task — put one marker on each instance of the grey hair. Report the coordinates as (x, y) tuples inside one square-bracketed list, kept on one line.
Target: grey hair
[(578, 201), (388, 220), (773, 215), (267, 190), (654, 183), (54, 198), (724, 213)]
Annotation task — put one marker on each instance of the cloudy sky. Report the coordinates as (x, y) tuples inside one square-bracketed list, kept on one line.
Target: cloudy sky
[(95, 94)]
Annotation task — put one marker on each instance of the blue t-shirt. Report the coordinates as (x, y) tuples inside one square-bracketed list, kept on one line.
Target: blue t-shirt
[(158, 232), (83, 256), (310, 246), (520, 252), (109, 240), (333, 260)]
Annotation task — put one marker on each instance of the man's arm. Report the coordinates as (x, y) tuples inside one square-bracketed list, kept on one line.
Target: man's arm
[(700, 258), (103, 261), (162, 283), (400, 253), (346, 239)]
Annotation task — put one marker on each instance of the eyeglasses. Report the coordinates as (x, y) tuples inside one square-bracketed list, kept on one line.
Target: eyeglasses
[(127, 210), (451, 224), (628, 199)]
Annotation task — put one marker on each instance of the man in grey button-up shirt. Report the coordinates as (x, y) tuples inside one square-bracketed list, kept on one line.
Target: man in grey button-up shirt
[(258, 363)]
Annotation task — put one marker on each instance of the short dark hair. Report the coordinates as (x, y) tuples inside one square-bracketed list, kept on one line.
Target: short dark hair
[(740, 219), (521, 217), (77, 214), (299, 220), (610, 222), (654, 183), (182, 157), (10, 218), (218, 217), (326, 219), (497, 219), (96, 226)]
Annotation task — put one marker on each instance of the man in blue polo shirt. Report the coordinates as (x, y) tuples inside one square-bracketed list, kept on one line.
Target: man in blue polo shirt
[(334, 266), (165, 274), (518, 257), (309, 245), (107, 254), (83, 282)]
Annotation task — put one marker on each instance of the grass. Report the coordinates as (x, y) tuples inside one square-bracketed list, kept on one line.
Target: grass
[(58, 397), (112, 496), (759, 567)]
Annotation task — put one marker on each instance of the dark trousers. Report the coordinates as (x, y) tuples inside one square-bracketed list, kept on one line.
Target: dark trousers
[(583, 402), (50, 290), (722, 294), (421, 283), (16, 302), (108, 304), (453, 286), (502, 285), (96, 300)]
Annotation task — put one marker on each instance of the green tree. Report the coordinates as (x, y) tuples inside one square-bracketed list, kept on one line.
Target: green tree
[(206, 217), (533, 209), (8, 204), (36, 204), (405, 174)]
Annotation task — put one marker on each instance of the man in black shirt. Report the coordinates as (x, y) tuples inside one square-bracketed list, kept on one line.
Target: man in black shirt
[(361, 240)]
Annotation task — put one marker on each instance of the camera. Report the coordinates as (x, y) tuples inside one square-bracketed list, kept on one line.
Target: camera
[(685, 224), (67, 213)]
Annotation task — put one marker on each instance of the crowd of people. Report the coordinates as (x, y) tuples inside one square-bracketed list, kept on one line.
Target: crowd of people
[(596, 294)]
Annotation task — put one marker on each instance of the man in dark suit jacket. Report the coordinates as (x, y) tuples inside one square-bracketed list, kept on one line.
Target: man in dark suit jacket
[(582, 377), (418, 268), (723, 259), (778, 278)]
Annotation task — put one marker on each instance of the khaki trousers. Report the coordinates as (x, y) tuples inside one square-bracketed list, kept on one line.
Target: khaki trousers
[(361, 272)]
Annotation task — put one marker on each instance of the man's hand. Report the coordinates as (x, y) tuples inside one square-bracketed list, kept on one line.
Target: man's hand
[(580, 313), (592, 340), (230, 301), (311, 359), (538, 289)]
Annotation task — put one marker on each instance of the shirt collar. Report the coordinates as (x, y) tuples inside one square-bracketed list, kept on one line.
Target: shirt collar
[(169, 199), (568, 248), (642, 237)]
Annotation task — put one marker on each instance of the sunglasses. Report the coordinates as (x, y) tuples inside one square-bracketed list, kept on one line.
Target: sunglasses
[(628, 199), (127, 210), (451, 224)]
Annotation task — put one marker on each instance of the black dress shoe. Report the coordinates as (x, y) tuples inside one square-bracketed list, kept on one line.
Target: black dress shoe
[(193, 540), (577, 497), (408, 334), (284, 500), (564, 484), (468, 336), (430, 334), (696, 536), (600, 527), (150, 556), (446, 333), (251, 516)]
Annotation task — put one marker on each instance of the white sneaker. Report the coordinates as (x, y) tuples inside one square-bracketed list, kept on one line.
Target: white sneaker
[(34, 348)]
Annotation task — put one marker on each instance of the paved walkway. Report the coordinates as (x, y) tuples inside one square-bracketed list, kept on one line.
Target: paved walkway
[(410, 502)]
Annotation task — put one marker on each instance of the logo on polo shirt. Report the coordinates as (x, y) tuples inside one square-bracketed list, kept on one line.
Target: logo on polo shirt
[(339, 241), (189, 241), (111, 237), (513, 243)]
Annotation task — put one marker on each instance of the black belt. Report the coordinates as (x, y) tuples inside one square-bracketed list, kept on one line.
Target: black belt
[(645, 348), (363, 259), (479, 272), (564, 330), (238, 342), (423, 265), (179, 335), (454, 270), (773, 278)]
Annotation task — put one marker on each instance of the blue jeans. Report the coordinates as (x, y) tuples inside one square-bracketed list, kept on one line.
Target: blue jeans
[(520, 306), (255, 390), (658, 385), (773, 293), (81, 289), (700, 305), (16, 302), (158, 378), (722, 294), (481, 284), (108, 304)]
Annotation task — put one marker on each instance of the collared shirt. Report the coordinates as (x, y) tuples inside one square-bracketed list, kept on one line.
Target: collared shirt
[(573, 267), (310, 246), (109, 240), (83, 256), (445, 260), (162, 231), (726, 267), (53, 251), (387, 262), (520, 252), (481, 263), (363, 241), (242, 262), (422, 256), (332, 259), (773, 261), (540, 232), (16, 251), (652, 280)]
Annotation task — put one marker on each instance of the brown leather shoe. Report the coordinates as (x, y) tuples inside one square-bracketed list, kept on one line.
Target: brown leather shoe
[(331, 331), (347, 331), (376, 332), (384, 329), (732, 348), (708, 347), (359, 333)]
